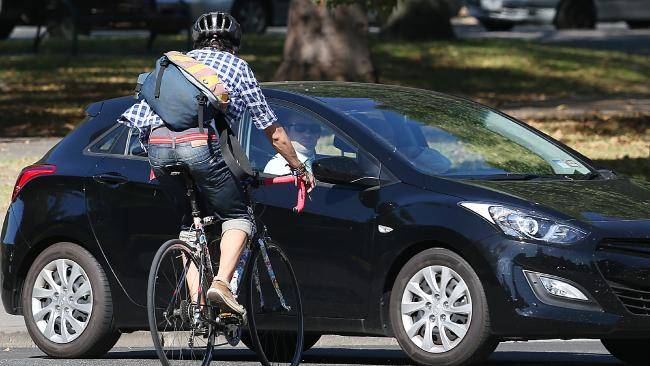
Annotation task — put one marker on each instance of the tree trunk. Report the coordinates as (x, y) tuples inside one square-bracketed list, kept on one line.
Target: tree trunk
[(419, 20), (326, 43)]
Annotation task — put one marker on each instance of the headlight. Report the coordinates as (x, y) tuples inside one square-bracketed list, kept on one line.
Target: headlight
[(524, 224)]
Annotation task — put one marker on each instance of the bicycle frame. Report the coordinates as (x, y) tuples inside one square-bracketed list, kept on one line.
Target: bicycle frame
[(204, 254)]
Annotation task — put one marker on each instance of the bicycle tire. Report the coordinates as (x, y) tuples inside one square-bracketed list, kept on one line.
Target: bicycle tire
[(165, 260), (284, 344)]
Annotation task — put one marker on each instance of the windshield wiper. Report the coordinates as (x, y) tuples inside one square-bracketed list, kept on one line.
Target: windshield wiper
[(510, 176)]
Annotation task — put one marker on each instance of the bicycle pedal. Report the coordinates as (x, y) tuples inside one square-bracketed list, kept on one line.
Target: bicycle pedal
[(230, 318)]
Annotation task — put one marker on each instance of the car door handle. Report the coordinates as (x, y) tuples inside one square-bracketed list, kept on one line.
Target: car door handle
[(110, 178)]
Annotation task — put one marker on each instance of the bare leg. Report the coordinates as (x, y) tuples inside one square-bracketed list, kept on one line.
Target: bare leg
[(232, 244), (192, 278)]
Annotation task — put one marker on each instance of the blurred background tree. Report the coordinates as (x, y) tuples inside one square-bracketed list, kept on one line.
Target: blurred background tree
[(328, 39)]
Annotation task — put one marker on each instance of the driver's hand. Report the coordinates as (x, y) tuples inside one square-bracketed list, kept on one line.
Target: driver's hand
[(308, 178)]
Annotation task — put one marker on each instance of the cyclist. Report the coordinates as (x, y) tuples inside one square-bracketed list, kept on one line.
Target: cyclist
[(217, 38)]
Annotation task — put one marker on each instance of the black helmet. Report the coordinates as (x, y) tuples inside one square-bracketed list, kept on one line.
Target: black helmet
[(217, 25)]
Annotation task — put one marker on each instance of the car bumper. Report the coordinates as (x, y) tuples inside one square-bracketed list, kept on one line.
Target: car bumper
[(11, 240), (514, 15), (519, 312)]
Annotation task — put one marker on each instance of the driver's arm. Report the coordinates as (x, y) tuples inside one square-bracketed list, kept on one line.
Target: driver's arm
[(282, 144)]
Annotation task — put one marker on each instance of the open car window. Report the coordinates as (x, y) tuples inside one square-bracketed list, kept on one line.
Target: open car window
[(312, 138)]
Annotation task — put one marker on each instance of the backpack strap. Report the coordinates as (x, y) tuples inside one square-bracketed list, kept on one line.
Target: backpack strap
[(233, 154), (164, 62)]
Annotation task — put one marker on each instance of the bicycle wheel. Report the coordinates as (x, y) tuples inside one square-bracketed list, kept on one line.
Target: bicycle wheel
[(274, 309), (178, 325)]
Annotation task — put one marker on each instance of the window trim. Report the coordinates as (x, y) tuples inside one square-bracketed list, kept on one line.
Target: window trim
[(124, 155)]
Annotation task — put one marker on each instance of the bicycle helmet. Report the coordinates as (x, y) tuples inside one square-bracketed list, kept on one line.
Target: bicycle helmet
[(217, 25)]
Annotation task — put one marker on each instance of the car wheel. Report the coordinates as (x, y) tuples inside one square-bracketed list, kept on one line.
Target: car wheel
[(631, 351), (251, 15), (576, 14), (6, 29), (438, 310), (67, 304), (492, 25)]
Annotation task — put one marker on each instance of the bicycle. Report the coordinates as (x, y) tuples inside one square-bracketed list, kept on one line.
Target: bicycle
[(185, 326)]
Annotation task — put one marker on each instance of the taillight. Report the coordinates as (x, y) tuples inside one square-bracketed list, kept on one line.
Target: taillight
[(30, 173)]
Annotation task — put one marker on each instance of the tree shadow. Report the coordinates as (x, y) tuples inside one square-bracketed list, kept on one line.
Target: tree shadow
[(382, 356)]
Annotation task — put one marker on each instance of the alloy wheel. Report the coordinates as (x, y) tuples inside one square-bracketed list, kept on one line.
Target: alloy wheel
[(436, 309), (62, 301)]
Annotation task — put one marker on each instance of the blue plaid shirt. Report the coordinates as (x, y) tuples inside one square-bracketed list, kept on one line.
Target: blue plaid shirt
[(243, 89)]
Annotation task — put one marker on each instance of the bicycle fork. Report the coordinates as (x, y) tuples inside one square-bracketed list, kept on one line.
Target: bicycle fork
[(237, 278)]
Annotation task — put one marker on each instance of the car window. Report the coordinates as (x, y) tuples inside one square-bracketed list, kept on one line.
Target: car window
[(114, 142), (312, 138), (135, 147), (441, 136)]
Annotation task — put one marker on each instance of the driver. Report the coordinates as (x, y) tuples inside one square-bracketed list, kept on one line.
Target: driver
[(304, 135)]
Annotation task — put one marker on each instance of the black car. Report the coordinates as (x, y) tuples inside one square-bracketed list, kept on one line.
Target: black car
[(436, 220)]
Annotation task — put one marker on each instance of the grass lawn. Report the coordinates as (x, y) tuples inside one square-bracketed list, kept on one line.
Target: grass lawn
[(44, 94)]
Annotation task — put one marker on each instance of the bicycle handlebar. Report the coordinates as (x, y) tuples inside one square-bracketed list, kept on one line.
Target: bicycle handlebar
[(302, 188)]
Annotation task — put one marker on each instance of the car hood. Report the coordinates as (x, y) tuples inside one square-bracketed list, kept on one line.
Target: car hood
[(593, 200)]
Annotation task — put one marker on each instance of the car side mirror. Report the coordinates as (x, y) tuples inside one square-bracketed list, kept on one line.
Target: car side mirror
[(341, 170)]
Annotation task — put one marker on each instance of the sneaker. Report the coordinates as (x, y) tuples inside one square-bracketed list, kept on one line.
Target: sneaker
[(220, 294)]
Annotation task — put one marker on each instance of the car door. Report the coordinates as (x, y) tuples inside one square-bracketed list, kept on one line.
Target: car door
[(130, 215), (330, 242)]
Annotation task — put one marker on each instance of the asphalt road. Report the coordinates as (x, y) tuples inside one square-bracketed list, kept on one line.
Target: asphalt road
[(547, 353)]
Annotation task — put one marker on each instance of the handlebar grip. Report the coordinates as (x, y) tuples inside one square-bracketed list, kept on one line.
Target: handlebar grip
[(302, 191)]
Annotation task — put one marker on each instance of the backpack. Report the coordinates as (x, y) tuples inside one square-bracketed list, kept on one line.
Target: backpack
[(185, 93), (182, 91)]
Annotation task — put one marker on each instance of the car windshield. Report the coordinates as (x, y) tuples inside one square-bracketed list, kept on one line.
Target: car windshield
[(448, 136)]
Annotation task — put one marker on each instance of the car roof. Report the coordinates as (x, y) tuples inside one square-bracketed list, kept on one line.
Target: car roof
[(323, 91)]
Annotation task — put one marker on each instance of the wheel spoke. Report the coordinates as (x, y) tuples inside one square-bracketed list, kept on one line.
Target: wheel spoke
[(430, 277), (41, 293), (414, 287), (47, 276), (62, 269), (82, 291), (44, 311), (462, 309), (445, 277), (427, 342), (415, 328), (75, 272), (84, 308), (458, 329), (76, 324), (459, 291), (446, 342), (49, 329), (412, 307)]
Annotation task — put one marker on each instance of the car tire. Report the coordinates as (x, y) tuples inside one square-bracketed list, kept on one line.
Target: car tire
[(436, 265), (6, 29), (492, 25), (630, 351), (87, 300), (252, 15), (575, 14)]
